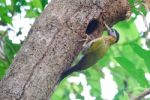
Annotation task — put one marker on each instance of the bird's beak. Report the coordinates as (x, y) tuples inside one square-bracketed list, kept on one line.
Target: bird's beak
[(112, 32)]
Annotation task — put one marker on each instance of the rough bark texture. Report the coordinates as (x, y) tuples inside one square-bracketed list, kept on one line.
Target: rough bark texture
[(52, 45)]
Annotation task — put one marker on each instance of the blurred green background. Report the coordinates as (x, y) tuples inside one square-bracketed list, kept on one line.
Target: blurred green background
[(121, 74)]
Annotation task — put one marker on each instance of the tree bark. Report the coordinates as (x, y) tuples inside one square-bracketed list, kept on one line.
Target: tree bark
[(53, 43)]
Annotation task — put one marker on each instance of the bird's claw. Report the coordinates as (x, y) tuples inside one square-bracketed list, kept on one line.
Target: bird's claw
[(85, 40)]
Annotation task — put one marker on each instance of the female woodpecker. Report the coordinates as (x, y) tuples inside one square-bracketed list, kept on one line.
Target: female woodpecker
[(93, 52)]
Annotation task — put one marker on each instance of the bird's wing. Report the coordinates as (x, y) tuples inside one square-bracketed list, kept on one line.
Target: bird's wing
[(86, 48), (92, 46)]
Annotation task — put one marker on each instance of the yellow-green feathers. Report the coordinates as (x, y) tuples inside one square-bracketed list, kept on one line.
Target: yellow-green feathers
[(92, 53)]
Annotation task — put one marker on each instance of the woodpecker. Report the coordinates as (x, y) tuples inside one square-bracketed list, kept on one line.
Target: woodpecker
[(93, 52)]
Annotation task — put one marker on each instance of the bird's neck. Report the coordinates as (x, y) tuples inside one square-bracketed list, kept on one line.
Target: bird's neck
[(111, 39)]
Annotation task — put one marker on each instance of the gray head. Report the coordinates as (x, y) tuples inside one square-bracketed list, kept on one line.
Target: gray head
[(114, 33)]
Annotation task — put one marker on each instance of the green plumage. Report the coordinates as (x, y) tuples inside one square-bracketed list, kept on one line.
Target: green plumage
[(92, 53)]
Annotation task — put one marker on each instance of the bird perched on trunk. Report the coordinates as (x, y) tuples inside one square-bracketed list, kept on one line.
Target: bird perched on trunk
[(93, 52)]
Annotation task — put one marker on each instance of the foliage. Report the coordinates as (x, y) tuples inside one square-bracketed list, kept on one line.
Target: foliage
[(127, 60), (7, 11)]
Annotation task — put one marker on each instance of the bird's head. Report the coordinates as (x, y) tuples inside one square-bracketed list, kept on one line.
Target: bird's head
[(114, 33)]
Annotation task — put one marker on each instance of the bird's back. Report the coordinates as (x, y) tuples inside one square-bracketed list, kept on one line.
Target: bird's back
[(93, 56)]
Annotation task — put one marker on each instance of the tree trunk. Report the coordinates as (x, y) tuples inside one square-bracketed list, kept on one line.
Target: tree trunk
[(53, 43)]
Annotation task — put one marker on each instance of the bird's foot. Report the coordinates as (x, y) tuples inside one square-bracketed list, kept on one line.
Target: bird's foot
[(86, 40)]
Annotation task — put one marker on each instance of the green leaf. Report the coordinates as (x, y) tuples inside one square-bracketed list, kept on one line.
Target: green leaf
[(144, 54), (23, 2), (37, 4), (62, 91), (131, 1), (77, 90), (119, 75), (127, 30), (10, 8), (134, 10), (120, 92), (124, 96), (3, 15), (44, 2), (3, 10), (3, 1), (6, 19), (104, 61), (31, 14), (93, 78), (17, 7), (3, 67), (10, 49), (137, 74)]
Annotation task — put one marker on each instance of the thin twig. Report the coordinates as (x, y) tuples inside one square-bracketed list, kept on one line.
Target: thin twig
[(142, 95)]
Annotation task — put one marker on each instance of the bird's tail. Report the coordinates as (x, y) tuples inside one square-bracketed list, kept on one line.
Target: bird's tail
[(67, 72)]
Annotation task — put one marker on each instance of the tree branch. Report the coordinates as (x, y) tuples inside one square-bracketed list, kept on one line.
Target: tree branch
[(142, 95), (52, 45)]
